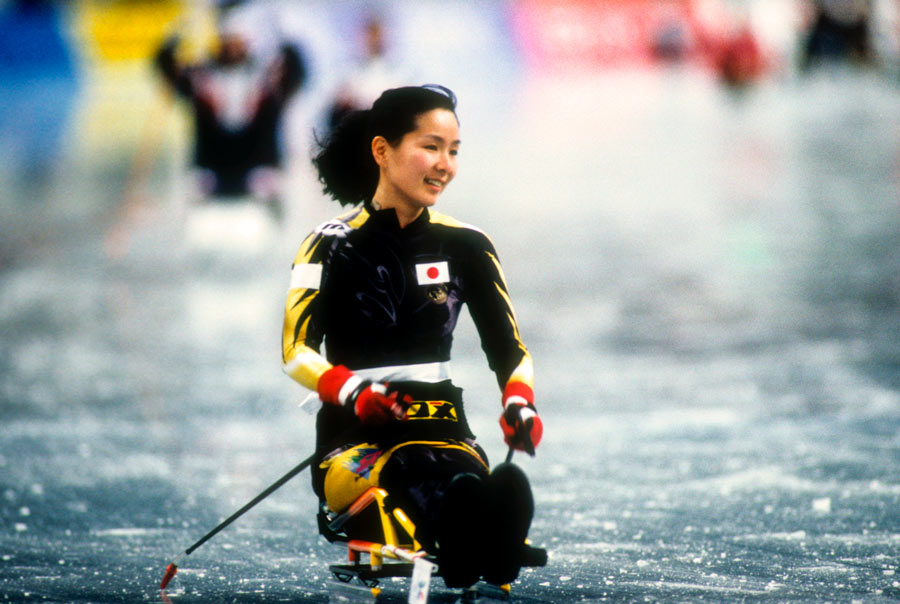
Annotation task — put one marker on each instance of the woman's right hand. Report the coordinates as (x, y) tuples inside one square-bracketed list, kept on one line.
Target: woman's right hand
[(372, 402)]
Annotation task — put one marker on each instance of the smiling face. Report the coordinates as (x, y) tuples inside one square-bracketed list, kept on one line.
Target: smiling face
[(416, 171)]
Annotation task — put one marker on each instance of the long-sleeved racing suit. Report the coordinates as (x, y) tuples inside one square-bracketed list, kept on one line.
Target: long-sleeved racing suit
[(385, 300)]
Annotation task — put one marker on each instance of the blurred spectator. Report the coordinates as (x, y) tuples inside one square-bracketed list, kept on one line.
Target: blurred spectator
[(238, 103), (840, 31), (741, 61), (374, 74), (670, 40)]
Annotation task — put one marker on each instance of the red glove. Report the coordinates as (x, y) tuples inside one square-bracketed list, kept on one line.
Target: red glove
[(372, 402), (522, 426)]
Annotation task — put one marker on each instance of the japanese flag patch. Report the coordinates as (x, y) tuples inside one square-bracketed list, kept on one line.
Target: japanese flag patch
[(432, 272)]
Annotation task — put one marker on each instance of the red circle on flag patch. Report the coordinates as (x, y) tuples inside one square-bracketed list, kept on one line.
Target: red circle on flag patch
[(432, 272)]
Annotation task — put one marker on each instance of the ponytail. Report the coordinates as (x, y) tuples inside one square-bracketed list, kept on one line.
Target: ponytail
[(346, 168), (344, 161)]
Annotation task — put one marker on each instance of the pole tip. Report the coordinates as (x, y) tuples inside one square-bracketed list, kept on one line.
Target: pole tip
[(170, 572)]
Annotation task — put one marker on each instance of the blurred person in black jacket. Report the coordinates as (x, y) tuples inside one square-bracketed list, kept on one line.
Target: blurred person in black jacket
[(237, 103), (839, 32)]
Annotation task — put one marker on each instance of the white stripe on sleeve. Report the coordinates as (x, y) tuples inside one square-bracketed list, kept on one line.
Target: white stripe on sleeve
[(307, 276)]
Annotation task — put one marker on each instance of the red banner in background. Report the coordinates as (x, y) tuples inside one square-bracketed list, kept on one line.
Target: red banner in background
[(585, 34)]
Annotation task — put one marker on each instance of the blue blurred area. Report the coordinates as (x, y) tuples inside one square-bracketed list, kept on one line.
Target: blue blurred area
[(39, 83)]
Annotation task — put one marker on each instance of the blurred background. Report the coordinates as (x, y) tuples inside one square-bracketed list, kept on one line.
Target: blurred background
[(82, 101), (83, 104), (697, 204)]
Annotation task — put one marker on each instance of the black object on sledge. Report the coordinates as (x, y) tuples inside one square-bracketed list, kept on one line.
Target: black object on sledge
[(482, 528)]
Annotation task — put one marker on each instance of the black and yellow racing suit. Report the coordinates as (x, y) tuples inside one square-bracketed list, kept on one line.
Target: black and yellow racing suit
[(384, 301)]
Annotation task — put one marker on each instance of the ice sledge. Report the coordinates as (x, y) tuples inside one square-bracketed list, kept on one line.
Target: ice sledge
[(380, 543)]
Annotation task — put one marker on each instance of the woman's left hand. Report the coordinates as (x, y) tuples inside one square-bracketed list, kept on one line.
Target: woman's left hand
[(522, 427)]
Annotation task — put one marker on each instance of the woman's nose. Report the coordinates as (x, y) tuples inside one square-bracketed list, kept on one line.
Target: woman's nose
[(445, 162)]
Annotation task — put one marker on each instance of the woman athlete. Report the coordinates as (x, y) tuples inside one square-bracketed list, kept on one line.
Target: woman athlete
[(382, 286)]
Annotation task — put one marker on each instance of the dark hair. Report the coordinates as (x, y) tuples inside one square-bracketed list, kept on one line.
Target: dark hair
[(344, 160)]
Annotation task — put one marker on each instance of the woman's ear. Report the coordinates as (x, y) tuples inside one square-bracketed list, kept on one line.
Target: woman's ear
[(379, 150)]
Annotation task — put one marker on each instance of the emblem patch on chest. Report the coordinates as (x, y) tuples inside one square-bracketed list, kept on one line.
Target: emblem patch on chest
[(437, 294)]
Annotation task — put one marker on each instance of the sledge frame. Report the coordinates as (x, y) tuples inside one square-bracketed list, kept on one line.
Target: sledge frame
[(394, 554)]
